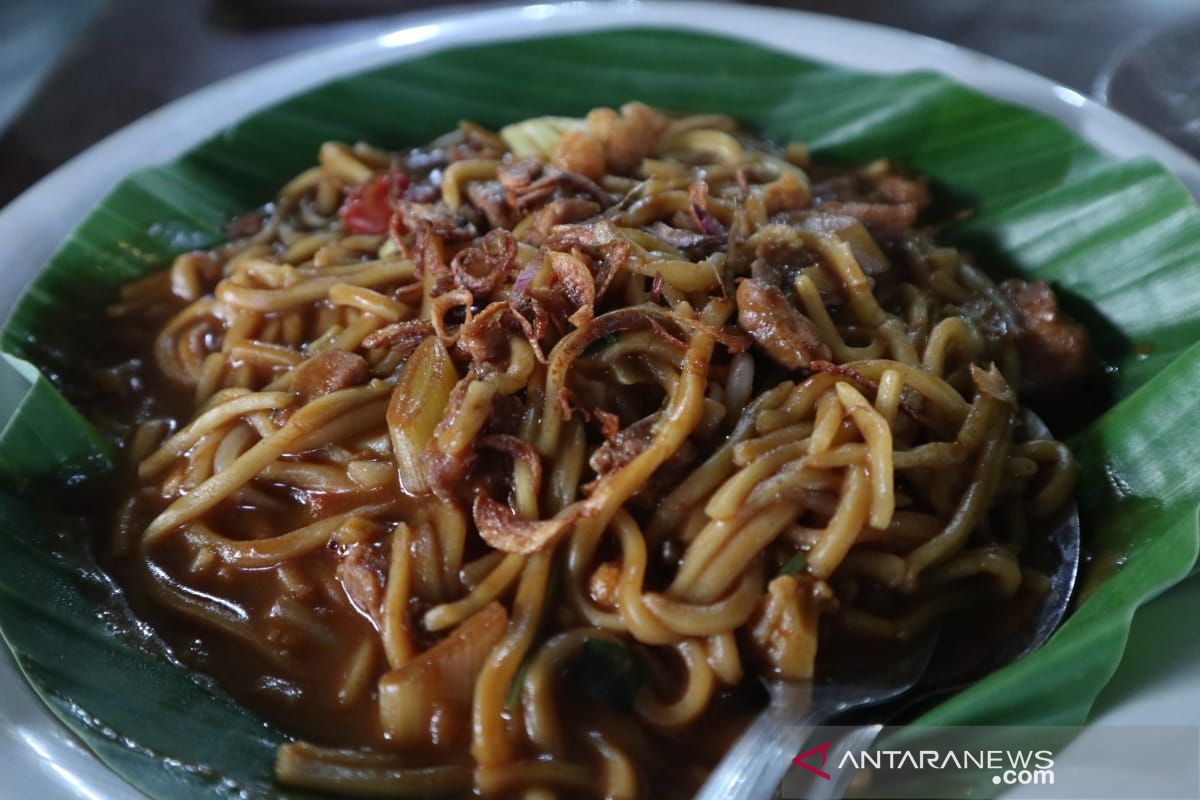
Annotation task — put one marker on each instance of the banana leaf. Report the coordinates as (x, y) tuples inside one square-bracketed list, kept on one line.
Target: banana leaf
[(1119, 239)]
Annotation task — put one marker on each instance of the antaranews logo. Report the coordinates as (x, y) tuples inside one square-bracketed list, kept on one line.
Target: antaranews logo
[(1009, 767), (1037, 762), (801, 760)]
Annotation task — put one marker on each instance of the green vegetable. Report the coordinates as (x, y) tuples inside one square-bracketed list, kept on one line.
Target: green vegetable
[(794, 565), (601, 344), (1121, 238), (609, 673)]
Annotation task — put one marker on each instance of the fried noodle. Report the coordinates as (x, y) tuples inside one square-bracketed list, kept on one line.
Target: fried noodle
[(457, 424)]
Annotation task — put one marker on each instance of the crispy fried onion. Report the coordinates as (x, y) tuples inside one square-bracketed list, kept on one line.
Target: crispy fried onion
[(484, 338), (577, 284), (695, 245), (403, 336), (705, 222), (483, 269), (517, 450), (558, 212), (524, 188), (783, 333), (442, 305), (603, 242), (501, 528), (428, 253)]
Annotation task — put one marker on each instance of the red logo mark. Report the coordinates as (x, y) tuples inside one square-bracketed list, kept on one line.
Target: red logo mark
[(822, 751)]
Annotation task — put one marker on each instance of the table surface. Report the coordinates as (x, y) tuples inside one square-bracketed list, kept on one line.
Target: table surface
[(136, 55)]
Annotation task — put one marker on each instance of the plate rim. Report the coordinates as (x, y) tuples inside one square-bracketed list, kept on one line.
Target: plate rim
[(38, 220), (407, 36)]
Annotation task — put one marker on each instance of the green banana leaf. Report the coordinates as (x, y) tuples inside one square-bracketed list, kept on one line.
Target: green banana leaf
[(1121, 240)]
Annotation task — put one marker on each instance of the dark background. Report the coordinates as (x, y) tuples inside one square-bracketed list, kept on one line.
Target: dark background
[(123, 58)]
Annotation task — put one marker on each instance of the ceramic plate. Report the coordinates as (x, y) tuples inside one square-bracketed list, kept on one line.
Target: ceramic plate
[(1160, 680)]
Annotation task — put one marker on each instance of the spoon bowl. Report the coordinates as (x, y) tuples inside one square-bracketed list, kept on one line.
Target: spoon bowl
[(932, 668)]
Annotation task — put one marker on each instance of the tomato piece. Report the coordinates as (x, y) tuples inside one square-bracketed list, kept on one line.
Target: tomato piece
[(368, 208)]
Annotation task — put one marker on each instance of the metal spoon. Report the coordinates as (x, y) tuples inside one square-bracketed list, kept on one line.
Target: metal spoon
[(949, 673), (944, 677), (756, 764)]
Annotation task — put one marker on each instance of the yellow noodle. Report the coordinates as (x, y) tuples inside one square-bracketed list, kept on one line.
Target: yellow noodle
[(626, 468)]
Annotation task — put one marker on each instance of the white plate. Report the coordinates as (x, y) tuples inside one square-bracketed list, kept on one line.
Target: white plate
[(42, 759)]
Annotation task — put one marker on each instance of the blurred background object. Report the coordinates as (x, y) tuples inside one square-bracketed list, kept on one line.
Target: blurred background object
[(1156, 80), (73, 71), (32, 37)]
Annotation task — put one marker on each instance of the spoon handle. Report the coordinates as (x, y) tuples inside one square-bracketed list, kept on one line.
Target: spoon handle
[(755, 766), (857, 740)]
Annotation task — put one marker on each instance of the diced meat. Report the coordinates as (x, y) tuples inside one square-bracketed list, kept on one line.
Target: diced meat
[(872, 188), (783, 628), (610, 424), (438, 218), (695, 245), (403, 336), (484, 337), (838, 187), (246, 225), (360, 572), (895, 189), (558, 212), (883, 220), (887, 204), (489, 197), (628, 137), (1055, 351), (603, 585), (577, 152), (788, 337), (328, 372), (525, 189), (624, 446)]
